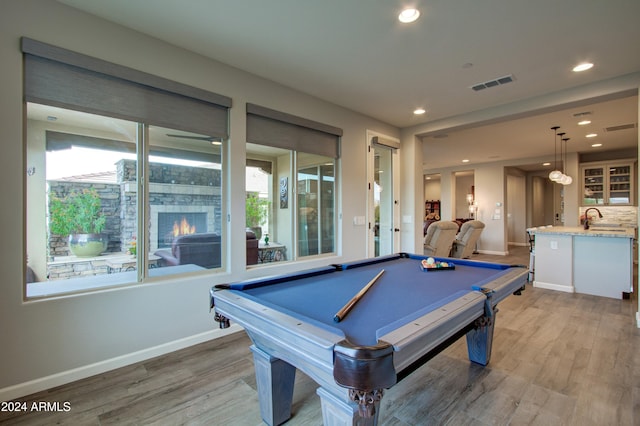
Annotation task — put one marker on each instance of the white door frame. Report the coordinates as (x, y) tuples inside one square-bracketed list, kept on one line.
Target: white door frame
[(393, 144)]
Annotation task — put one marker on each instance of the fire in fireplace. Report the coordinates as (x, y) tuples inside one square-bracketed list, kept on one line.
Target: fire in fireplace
[(171, 225), (183, 228)]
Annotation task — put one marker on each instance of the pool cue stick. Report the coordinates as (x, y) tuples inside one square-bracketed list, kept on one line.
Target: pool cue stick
[(345, 310)]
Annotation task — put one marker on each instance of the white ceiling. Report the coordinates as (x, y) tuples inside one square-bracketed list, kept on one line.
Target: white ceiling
[(356, 54), (532, 137)]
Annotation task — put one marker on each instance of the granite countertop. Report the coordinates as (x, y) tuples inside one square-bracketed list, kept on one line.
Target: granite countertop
[(595, 231)]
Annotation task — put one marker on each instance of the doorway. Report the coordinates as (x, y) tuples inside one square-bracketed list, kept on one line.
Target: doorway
[(546, 202), (383, 204)]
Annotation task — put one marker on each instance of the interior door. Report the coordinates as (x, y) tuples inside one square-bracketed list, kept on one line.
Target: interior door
[(383, 204)]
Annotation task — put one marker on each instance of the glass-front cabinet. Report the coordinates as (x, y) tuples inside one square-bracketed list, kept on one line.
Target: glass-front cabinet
[(620, 184), (607, 183)]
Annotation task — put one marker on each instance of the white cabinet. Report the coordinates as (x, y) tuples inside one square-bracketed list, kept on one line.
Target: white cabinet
[(594, 261), (554, 260), (603, 266), (608, 183)]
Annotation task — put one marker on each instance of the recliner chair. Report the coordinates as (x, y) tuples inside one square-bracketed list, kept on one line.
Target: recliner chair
[(465, 242), (252, 247), (203, 250), (439, 238), (197, 249)]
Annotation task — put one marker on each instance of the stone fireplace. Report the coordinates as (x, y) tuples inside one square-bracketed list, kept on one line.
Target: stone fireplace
[(199, 211), (175, 192)]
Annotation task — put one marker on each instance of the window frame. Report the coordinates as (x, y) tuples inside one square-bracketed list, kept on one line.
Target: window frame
[(318, 160), (57, 77)]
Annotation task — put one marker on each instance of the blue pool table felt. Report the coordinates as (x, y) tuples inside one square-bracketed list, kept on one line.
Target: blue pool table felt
[(403, 293)]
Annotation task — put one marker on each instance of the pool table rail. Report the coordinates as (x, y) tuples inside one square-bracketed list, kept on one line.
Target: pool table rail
[(509, 283), (418, 337), (252, 315)]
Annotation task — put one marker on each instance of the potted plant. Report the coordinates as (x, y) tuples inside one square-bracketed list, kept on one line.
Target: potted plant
[(79, 215), (256, 210)]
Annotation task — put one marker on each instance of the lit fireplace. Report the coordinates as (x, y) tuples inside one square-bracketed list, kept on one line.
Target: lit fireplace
[(183, 228), (171, 225)]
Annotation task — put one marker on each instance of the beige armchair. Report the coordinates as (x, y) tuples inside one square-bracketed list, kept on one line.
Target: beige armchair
[(465, 242), (439, 238)]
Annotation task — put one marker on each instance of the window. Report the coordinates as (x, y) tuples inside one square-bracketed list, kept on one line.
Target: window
[(87, 155), (268, 212), (316, 189), (295, 160)]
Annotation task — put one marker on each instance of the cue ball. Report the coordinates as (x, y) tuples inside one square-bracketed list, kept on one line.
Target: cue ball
[(431, 261)]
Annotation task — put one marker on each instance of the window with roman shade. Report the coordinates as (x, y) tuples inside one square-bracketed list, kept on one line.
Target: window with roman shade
[(301, 194), (98, 128)]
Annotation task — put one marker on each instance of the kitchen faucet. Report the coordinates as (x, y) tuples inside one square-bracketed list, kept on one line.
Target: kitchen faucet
[(586, 216)]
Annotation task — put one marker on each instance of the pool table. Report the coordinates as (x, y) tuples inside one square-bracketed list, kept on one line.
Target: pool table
[(406, 317)]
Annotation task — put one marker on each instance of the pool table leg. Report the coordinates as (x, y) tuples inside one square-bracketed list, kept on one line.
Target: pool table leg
[(480, 338), (338, 411), (275, 379)]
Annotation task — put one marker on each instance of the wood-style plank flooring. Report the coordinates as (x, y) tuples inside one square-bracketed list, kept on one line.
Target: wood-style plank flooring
[(558, 359)]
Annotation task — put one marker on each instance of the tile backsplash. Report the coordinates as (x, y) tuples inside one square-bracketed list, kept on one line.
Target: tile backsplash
[(623, 215)]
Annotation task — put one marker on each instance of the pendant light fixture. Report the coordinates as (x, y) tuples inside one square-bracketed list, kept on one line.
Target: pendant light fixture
[(562, 175), (565, 179), (555, 174)]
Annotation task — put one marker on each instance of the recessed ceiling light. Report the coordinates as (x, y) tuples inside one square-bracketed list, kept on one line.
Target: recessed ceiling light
[(584, 122), (592, 135), (465, 161), (546, 164), (596, 145), (409, 15), (583, 67), (428, 178), (419, 111)]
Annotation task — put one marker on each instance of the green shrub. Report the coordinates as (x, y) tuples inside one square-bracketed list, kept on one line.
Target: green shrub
[(256, 210), (77, 213)]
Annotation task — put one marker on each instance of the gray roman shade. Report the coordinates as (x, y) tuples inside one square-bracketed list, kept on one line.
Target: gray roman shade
[(62, 78), (389, 143), (281, 130), (266, 166), (59, 141)]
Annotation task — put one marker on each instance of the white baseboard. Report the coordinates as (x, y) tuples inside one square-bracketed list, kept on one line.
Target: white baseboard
[(497, 253), (64, 377), (557, 287), (511, 243)]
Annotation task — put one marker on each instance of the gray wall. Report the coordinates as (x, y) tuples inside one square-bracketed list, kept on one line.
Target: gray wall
[(516, 209)]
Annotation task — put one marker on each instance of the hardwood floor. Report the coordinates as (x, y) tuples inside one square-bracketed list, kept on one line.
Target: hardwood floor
[(558, 359)]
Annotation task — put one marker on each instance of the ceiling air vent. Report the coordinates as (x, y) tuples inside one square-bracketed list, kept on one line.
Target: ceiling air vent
[(582, 114), (493, 83), (620, 127)]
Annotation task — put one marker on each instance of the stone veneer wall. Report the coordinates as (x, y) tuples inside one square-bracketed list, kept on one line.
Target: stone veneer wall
[(172, 188)]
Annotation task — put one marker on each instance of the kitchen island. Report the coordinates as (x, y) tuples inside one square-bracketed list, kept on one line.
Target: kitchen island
[(597, 261)]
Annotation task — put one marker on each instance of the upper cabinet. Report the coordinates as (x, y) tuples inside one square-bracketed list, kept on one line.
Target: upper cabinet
[(608, 184)]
